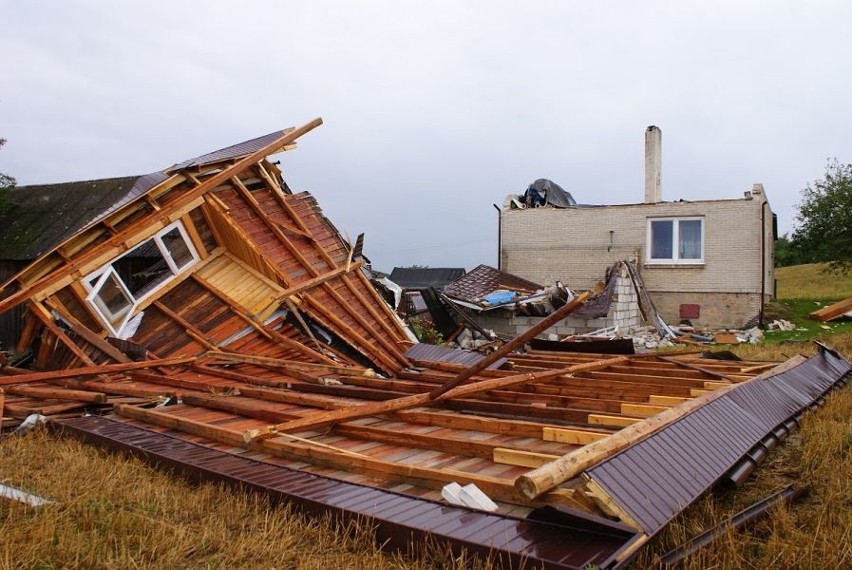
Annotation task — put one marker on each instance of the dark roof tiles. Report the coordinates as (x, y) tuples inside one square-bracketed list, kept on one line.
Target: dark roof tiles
[(483, 280)]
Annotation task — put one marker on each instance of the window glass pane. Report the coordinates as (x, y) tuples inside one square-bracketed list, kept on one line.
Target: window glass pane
[(149, 269), (177, 247), (112, 300), (661, 239), (690, 239)]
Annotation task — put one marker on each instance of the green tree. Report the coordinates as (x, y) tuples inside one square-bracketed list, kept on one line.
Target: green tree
[(6, 184), (824, 232), (786, 253)]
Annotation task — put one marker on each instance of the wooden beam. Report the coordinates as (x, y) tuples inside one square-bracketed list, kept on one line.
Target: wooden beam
[(641, 410), (52, 393), (367, 410), (521, 458), (269, 333), (657, 400), (92, 370), (695, 367), (318, 280), (496, 488), (568, 466), (611, 421), (60, 275), (39, 311), (572, 436)]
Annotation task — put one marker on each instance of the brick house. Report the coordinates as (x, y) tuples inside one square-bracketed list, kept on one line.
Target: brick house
[(709, 261)]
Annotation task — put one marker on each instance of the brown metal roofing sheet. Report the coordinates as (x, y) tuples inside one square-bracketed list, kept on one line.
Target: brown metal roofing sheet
[(563, 541), (658, 477), (231, 152)]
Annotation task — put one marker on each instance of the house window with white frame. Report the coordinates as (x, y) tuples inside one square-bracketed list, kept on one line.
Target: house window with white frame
[(113, 294), (675, 241)]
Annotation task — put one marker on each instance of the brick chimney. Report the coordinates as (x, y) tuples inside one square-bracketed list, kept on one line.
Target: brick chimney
[(653, 164)]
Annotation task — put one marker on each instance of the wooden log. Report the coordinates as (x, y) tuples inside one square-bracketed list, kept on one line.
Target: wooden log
[(547, 477), (92, 370), (513, 344)]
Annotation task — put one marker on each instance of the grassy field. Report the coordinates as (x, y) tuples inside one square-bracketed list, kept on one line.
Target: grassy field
[(112, 512), (809, 282)]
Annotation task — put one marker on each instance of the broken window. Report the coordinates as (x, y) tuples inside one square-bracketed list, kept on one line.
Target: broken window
[(675, 240), (115, 289)]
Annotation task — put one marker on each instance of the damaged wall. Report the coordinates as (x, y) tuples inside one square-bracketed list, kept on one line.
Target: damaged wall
[(577, 244), (624, 313)]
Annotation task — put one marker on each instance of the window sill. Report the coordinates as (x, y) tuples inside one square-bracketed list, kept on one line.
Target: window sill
[(674, 264)]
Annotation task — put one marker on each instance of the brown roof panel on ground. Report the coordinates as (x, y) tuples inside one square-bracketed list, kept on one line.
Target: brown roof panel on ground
[(572, 543), (658, 477)]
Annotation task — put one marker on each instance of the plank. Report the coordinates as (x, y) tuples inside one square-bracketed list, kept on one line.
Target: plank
[(611, 421), (657, 400), (521, 458), (642, 410), (92, 370), (572, 436)]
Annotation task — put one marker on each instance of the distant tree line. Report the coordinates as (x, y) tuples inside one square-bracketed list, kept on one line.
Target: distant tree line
[(823, 232), (6, 183)]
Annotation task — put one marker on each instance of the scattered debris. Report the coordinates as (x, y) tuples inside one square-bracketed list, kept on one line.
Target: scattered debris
[(15, 494), (832, 312)]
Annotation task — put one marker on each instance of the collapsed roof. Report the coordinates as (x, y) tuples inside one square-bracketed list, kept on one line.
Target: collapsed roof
[(236, 308)]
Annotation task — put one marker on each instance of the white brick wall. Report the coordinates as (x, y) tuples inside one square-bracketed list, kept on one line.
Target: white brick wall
[(576, 245)]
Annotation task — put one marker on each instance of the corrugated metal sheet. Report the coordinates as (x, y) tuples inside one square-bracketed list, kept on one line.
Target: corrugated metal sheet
[(483, 280), (432, 353), (228, 153), (661, 475), (558, 540)]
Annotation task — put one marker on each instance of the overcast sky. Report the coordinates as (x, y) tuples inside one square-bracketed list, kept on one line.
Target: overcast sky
[(435, 110)]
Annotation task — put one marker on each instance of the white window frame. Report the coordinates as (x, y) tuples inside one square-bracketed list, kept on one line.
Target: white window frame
[(675, 258), (95, 280)]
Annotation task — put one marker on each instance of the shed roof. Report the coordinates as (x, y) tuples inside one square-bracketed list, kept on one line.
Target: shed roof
[(483, 280), (425, 277)]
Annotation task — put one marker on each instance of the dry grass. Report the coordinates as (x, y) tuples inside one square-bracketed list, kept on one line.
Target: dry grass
[(808, 282), (115, 512), (815, 532)]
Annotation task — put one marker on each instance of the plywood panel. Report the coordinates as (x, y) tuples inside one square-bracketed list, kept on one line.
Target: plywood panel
[(245, 286)]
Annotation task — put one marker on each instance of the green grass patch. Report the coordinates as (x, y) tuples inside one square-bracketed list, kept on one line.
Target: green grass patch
[(796, 311)]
